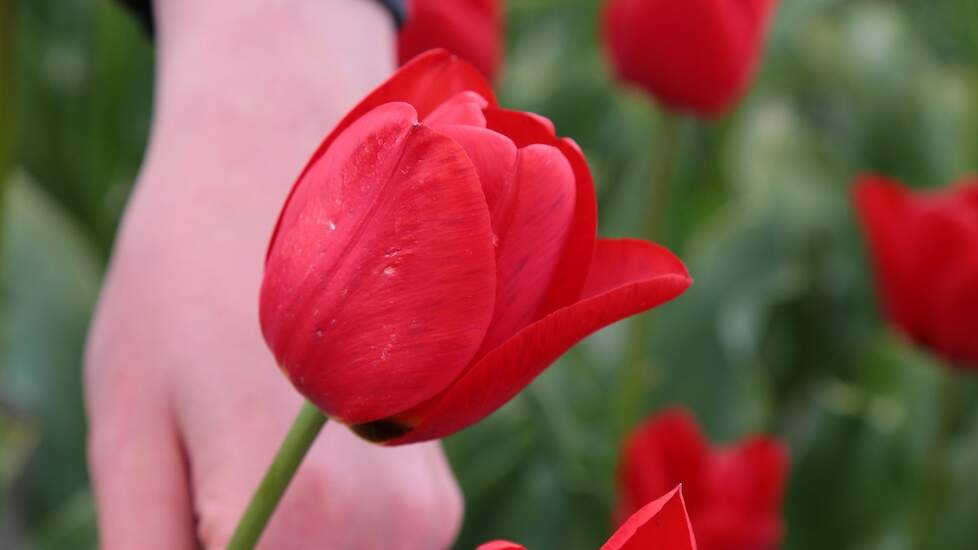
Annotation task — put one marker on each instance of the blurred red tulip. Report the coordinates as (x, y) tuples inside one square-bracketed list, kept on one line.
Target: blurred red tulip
[(733, 495), (661, 525), (924, 247), (471, 29), (437, 253), (693, 55)]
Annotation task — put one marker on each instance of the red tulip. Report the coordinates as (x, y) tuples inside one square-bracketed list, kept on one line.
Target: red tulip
[(924, 246), (471, 29), (661, 525), (693, 55), (733, 495), (437, 253)]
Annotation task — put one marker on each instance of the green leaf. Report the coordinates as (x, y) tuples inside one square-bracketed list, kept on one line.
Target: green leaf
[(50, 280)]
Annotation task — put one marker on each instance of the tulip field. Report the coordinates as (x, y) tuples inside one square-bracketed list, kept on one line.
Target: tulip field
[(648, 272)]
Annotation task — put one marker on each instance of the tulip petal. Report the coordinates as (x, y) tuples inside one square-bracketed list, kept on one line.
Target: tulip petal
[(494, 158), (531, 206), (464, 108), (967, 190), (956, 335), (628, 277), (662, 524), (381, 285), (531, 229), (575, 261), (942, 242), (745, 507), (755, 473), (501, 545), (426, 82), (882, 206), (668, 450)]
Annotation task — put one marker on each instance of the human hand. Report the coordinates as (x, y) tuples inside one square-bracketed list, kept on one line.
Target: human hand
[(186, 408)]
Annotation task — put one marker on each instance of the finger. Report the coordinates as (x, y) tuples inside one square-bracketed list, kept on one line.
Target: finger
[(137, 467)]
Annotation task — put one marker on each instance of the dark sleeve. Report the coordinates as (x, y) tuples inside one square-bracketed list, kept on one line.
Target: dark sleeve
[(143, 10)]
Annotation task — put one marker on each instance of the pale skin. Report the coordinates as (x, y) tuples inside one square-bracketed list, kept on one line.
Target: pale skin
[(185, 403)]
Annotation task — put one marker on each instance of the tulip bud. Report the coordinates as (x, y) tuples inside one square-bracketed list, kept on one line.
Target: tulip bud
[(924, 248), (692, 55), (471, 29)]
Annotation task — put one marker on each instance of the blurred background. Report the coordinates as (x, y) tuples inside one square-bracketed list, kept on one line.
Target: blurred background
[(780, 333)]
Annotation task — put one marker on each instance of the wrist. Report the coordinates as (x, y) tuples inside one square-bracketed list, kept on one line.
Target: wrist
[(242, 100), (253, 88), (268, 61)]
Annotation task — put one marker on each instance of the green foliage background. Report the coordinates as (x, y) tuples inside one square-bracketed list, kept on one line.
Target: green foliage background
[(780, 332)]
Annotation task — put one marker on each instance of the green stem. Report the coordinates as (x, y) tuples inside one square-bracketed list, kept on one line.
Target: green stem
[(304, 430), (636, 378), (659, 190), (936, 477)]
